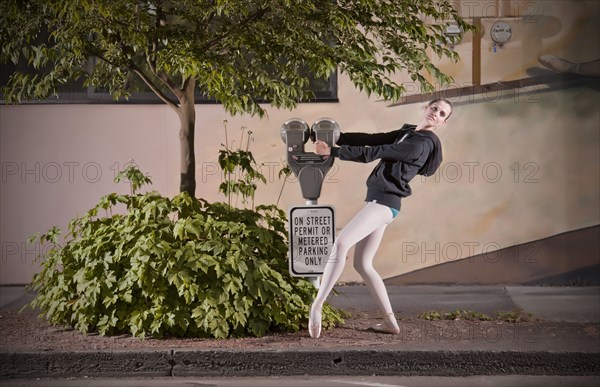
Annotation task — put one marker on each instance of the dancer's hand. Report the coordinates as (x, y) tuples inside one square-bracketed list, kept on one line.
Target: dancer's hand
[(321, 148)]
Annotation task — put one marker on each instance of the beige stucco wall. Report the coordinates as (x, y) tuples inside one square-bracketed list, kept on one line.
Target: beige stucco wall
[(516, 168)]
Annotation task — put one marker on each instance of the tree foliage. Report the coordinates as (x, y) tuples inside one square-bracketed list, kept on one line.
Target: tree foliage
[(237, 51)]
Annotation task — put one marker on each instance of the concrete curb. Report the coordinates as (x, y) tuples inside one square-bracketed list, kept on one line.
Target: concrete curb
[(296, 362)]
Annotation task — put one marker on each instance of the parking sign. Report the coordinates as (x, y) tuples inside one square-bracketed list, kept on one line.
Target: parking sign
[(311, 238)]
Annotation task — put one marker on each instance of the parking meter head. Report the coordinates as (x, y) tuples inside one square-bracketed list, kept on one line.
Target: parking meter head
[(309, 167), (295, 132), (326, 129)]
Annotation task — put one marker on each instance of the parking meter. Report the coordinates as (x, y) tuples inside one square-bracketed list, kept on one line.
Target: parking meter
[(308, 255), (295, 133), (309, 167), (326, 129)]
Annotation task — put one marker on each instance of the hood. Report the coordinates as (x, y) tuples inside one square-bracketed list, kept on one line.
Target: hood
[(435, 157)]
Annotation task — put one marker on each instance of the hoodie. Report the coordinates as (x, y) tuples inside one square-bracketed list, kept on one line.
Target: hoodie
[(402, 154)]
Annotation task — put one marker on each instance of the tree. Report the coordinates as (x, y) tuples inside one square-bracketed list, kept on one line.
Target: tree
[(237, 51)]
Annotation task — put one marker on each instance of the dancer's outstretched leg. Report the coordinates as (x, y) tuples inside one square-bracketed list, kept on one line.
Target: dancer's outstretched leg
[(363, 263), (369, 219)]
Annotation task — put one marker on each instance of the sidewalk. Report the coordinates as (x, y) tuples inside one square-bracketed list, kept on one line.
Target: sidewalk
[(565, 342)]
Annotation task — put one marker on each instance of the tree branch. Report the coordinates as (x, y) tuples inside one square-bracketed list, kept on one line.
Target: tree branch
[(151, 56), (163, 78), (140, 73), (96, 53), (185, 83), (255, 16)]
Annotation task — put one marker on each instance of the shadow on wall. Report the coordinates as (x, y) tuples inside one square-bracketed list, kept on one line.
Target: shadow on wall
[(571, 259)]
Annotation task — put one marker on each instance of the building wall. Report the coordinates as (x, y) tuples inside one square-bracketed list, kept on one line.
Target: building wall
[(519, 165)]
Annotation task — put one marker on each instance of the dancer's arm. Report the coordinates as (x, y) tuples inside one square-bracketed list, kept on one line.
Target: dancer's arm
[(404, 151), (368, 139)]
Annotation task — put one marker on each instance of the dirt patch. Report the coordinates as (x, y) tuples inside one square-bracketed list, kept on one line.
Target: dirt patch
[(27, 332)]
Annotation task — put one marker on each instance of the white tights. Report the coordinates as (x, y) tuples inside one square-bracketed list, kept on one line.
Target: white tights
[(365, 231)]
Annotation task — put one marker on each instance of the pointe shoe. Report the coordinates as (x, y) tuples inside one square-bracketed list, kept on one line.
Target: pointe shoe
[(314, 329), (314, 324), (382, 328), (385, 327)]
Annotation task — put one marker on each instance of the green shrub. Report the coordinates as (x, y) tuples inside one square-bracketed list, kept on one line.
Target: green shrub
[(173, 267), (514, 316), (458, 314)]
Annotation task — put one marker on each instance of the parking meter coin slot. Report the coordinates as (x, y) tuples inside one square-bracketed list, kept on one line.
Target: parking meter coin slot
[(294, 141)]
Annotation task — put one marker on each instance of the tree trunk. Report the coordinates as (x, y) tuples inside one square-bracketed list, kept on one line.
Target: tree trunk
[(187, 117)]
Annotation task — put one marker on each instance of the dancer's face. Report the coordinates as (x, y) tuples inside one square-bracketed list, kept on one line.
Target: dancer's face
[(437, 113)]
